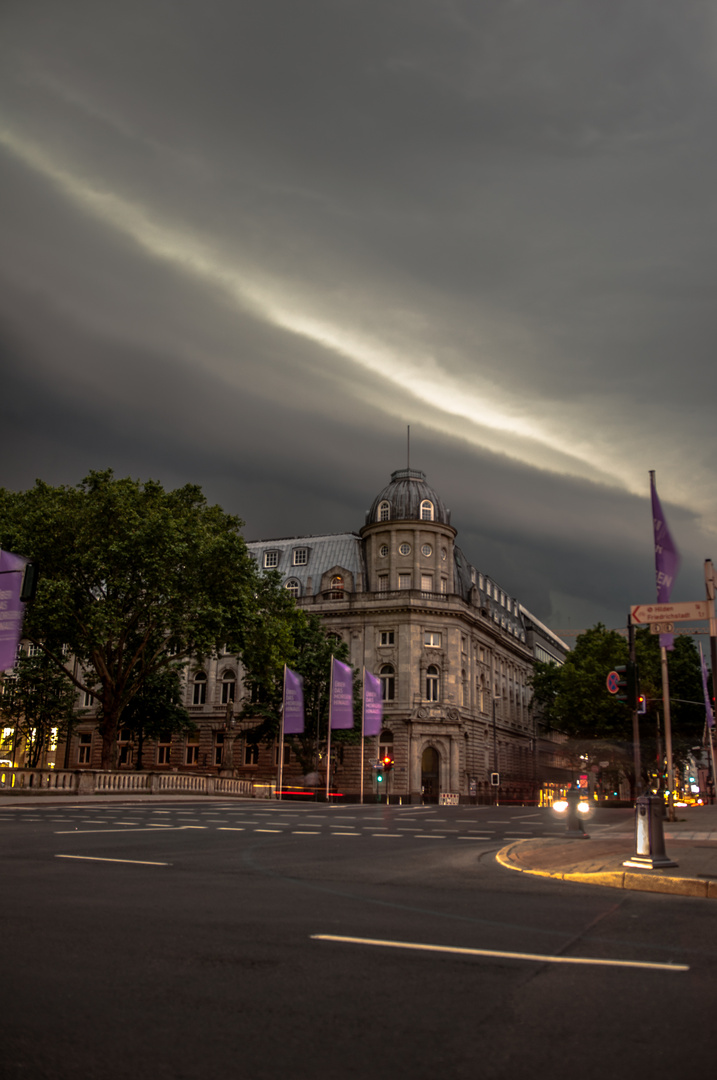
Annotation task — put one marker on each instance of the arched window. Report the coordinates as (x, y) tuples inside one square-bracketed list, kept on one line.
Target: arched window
[(337, 587), (385, 744), (426, 510), (432, 683), (387, 676), (384, 511), (229, 683), (199, 692), (293, 586)]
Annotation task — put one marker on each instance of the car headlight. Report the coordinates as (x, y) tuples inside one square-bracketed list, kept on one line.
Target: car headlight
[(560, 806)]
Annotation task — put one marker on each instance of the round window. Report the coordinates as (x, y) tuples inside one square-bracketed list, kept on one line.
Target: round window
[(444, 553), (383, 551), (405, 549), (427, 550)]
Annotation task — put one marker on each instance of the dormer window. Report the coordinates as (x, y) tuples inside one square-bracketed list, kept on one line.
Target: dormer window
[(271, 560), (301, 556), (292, 586), (426, 510), (384, 511)]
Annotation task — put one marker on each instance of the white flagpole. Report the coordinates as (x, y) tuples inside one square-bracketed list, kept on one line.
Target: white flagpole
[(281, 737), (328, 741), (363, 726)]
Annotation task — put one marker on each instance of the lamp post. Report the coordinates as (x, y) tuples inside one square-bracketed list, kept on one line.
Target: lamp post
[(495, 751)]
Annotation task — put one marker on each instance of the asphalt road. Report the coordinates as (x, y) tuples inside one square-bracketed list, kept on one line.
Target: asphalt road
[(187, 940)]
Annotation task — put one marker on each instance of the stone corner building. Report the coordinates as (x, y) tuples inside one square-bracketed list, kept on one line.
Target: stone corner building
[(454, 653), (453, 650)]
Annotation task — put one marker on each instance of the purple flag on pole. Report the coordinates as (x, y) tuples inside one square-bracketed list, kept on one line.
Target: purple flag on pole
[(342, 695), (372, 704), (12, 609), (293, 703), (667, 558), (708, 702)]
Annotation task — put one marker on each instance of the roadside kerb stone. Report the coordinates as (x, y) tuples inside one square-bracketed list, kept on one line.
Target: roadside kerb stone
[(557, 859)]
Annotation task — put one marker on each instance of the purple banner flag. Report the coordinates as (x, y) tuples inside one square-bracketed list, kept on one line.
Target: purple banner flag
[(667, 558), (372, 704), (293, 703), (342, 695), (12, 568), (708, 703)]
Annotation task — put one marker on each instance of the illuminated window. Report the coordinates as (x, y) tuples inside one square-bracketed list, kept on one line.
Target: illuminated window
[(192, 749), (337, 587), (426, 510), (432, 639)]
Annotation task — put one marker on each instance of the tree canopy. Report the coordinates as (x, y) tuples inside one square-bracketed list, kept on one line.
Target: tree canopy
[(574, 698), (131, 578)]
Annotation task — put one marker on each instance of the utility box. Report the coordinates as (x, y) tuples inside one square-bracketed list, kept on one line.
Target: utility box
[(649, 835)]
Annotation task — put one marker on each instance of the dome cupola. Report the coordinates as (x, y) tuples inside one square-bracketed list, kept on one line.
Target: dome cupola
[(408, 498)]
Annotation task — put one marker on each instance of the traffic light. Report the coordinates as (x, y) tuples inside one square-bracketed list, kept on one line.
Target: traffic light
[(628, 684), (387, 762), (641, 703)]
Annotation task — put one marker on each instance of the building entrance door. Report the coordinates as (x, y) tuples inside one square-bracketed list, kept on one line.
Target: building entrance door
[(429, 775)]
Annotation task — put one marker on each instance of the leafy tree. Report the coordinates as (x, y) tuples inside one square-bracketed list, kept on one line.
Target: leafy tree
[(156, 710), (308, 652), (131, 576), (574, 698), (37, 701)]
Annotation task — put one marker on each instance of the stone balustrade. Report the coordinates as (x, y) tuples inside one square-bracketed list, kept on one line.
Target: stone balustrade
[(95, 782)]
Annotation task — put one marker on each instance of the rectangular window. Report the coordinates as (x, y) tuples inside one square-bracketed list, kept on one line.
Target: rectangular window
[(287, 754), (426, 582), (383, 582), (444, 585), (432, 639), (387, 637), (218, 747), (87, 700), (271, 559), (192, 750), (301, 556), (404, 581), (164, 750), (84, 752), (251, 754)]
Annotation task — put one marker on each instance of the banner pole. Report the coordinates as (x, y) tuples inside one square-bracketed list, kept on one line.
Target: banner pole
[(363, 726), (281, 739), (328, 740)]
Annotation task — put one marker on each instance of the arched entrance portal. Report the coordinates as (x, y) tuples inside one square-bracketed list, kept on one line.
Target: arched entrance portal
[(429, 775)]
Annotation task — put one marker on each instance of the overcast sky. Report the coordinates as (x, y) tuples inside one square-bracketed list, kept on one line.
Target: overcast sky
[(245, 243)]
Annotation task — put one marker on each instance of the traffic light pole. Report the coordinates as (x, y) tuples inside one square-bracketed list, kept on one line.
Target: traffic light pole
[(710, 589)]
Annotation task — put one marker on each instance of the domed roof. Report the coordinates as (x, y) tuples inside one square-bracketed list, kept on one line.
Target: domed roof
[(402, 500)]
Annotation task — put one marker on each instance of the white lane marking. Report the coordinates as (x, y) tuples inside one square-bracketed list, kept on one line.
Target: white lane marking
[(597, 961), (344, 834), (429, 836), (230, 828), (313, 832), (268, 830), (141, 828), (96, 858)]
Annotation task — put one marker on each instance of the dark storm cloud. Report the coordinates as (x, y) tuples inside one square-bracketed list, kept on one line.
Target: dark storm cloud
[(247, 243)]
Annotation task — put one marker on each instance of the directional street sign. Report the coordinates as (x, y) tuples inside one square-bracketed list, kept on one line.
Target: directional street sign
[(653, 613)]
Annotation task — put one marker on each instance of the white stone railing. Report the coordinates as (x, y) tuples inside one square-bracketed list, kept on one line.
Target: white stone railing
[(93, 782)]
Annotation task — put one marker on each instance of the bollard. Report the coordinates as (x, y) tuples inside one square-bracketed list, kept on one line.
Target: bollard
[(649, 835)]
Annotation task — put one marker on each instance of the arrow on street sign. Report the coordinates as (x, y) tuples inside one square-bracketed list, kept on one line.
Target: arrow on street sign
[(641, 614)]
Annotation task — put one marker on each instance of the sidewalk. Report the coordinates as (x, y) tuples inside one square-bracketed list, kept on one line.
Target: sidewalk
[(691, 842)]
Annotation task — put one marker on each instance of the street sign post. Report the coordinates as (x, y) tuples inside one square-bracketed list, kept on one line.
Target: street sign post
[(642, 614)]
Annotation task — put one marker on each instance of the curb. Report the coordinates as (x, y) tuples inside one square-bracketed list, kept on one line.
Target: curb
[(616, 879)]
